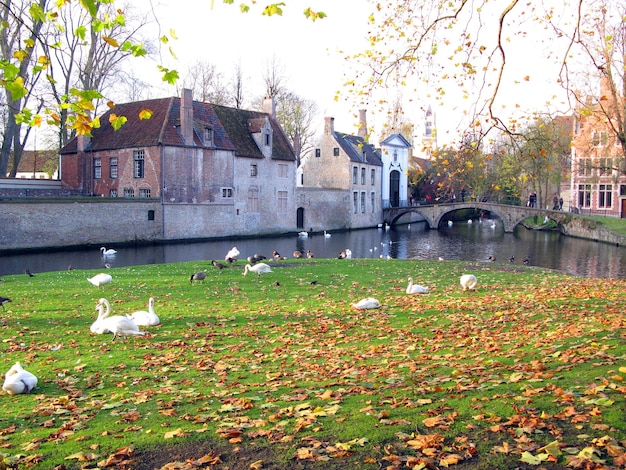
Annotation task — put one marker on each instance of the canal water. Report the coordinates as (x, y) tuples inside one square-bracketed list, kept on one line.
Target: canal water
[(462, 241)]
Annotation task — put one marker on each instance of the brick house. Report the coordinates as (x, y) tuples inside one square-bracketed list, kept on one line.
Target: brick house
[(339, 182), (217, 171), (598, 172)]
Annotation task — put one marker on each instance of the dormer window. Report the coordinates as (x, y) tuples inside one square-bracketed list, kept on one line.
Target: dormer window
[(267, 138), (208, 136)]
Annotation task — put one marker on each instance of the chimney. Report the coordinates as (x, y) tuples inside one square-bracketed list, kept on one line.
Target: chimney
[(186, 116), (81, 143), (329, 125), (269, 106), (362, 124)]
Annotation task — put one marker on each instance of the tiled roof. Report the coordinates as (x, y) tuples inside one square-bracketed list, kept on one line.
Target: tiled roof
[(231, 129), (358, 150), (39, 160), (388, 140)]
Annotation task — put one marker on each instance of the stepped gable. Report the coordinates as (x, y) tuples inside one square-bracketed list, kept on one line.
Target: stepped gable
[(357, 148)]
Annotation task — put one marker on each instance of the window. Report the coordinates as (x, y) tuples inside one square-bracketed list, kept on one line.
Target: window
[(363, 202), (395, 155), (129, 192), (584, 167), (606, 166), (622, 189), (150, 214), (336, 151), (113, 193), (208, 136), (302, 179), (373, 196), (267, 138), (138, 157), (600, 139), (355, 175), (584, 195), (253, 200), (373, 177), (227, 192), (97, 168), (113, 167), (282, 201), (318, 153), (362, 175), (283, 170), (605, 195), (253, 170), (355, 202), (145, 193)]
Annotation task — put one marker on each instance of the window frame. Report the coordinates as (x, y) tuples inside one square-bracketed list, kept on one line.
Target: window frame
[(139, 162)]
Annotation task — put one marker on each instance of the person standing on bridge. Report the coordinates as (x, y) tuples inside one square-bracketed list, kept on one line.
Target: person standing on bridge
[(555, 201), (561, 203)]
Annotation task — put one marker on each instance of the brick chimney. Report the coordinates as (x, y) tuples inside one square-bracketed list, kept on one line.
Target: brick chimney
[(269, 106), (329, 125), (362, 123), (82, 141), (186, 116)]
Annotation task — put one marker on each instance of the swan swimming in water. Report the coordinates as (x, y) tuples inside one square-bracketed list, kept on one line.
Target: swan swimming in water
[(303, 234), (109, 252)]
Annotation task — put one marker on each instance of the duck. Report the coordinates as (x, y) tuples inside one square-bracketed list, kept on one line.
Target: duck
[(415, 288), (199, 276), (100, 279), (17, 380), (258, 269), (4, 300), (468, 282), (143, 318), (109, 252), (367, 303), (309, 254)]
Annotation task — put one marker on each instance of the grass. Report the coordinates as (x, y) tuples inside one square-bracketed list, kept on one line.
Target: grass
[(614, 224), (281, 371)]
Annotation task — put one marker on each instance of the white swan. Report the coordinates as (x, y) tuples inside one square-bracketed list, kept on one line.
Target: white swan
[(326, 234), (100, 279), (103, 308), (348, 253), (143, 318), (415, 288), (232, 254), (117, 324), (469, 221), (258, 269), (303, 234), (449, 223), (468, 282), (367, 303), (17, 380), (109, 252)]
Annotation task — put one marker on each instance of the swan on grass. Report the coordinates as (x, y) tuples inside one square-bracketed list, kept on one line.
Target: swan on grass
[(367, 303), (117, 324), (100, 279), (17, 380), (258, 269), (143, 318), (415, 288), (109, 252), (232, 254), (468, 282)]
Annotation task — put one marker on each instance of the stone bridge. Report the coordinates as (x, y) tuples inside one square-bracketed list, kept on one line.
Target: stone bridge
[(509, 215)]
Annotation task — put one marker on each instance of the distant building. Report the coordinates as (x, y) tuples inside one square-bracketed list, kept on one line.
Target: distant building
[(426, 141), (395, 152), (37, 164), (339, 182), (598, 167), (218, 171)]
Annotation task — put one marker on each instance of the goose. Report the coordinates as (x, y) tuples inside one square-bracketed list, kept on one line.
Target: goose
[(17, 380), (199, 276), (342, 255), (415, 288), (143, 318), (258, 269), (109, 252), (4, 300), (309, 254), (297, 254), (468, 282), (512, 259), (491, 258), (326, 234), (29, 273), (219, 266), (527, 261), (303, 234), (100, 279), (367, 303), (232, 255), (276, 256), (117, 324)]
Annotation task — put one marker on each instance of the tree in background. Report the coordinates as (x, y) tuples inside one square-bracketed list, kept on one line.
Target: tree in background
[(296, 116), (206, 83), (236, 86)]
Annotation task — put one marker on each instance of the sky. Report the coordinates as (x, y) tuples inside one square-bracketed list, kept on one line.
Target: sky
[(313, 55)]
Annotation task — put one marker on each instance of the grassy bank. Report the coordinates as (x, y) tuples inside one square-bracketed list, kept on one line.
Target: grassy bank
[(282, 372)]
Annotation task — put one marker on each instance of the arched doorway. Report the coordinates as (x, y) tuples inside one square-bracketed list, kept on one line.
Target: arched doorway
[(300, 217), (394, 188)]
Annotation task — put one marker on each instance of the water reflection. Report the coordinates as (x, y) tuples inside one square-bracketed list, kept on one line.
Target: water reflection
[(462, 241)]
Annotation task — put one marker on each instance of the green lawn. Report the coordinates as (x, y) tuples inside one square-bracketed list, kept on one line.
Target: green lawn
[(528, 371)]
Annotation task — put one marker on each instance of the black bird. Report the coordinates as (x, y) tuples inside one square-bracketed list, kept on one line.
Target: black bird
[(512, 259), (4, 300), (199, 276), (527, 261), (29, 273)]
